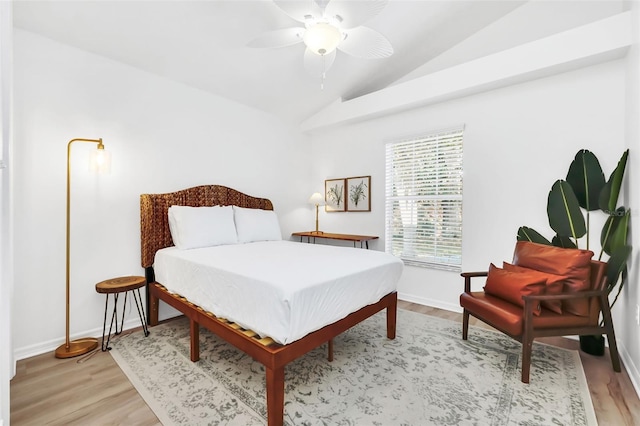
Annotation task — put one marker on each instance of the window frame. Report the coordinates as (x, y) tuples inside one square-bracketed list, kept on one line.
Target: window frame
[(432, 190)]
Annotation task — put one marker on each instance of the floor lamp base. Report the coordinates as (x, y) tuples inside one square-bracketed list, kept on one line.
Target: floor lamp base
[(77, 347)]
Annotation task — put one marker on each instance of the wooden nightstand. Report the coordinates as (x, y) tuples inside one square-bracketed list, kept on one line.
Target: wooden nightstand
[(116, 286), (362, 239)]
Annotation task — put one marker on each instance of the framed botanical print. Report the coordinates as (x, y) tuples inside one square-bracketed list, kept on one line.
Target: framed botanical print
[(334, 195), (359, 194)]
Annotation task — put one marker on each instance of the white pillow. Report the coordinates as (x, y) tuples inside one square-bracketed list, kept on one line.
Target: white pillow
[(256, 225), (193, 227)]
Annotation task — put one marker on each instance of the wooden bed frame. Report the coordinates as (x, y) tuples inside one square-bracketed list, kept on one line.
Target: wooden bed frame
[(155, 235)]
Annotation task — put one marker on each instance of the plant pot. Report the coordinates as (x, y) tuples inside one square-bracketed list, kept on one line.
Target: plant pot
[(592, 345)]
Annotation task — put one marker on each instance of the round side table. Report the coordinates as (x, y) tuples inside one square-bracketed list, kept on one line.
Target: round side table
[(116, 286)]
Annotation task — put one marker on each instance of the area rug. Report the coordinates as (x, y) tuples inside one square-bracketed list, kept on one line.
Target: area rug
[(427, 376)]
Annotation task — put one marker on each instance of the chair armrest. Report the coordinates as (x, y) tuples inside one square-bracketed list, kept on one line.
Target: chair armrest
[(467, 278), (474, 274)]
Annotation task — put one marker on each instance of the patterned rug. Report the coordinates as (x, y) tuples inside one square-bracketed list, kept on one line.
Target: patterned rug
[(427, 376)]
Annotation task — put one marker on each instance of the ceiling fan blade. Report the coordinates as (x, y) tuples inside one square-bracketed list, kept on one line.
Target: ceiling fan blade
[(278, 38), (351, 13), (317, 65), (299, 10), (363, 42)]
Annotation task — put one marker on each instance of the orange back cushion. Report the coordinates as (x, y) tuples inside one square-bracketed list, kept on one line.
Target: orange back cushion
[(555, 284), (572, 263), (511, 286)]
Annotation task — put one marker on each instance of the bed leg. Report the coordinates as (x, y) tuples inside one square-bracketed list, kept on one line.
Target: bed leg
[(195, 340), (152, 309), (330, 350), (275, 396), (392, 310)]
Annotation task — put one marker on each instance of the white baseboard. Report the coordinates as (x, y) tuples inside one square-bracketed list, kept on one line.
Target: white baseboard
[(51, 345), (430, 302)]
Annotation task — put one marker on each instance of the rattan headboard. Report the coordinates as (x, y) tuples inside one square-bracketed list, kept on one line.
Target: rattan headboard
[(154, 222)]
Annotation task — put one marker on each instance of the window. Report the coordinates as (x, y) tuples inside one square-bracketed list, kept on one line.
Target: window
[(424, 200)]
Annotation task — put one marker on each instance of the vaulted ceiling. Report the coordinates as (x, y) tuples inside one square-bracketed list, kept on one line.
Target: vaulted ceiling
[(204, 44)]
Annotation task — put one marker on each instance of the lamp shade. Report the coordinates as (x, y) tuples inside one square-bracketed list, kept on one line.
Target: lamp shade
[(316, 199), (100, 161), (322, 38)]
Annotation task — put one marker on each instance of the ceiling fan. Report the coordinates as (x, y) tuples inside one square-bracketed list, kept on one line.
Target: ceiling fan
[(329, 25)]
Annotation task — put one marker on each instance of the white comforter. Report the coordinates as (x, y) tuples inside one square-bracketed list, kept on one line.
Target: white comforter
[(280, 289)]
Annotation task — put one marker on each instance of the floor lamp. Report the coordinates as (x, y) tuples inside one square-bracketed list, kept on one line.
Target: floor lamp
[(100, 162), (318, 200)]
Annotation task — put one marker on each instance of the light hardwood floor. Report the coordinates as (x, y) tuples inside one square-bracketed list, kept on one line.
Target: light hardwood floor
[(94, 391)]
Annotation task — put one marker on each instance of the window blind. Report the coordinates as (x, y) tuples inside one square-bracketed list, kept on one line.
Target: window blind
[(423, 205)]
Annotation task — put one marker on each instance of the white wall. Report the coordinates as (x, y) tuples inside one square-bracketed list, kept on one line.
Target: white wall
[(625, 310), (163, 136), (7, 363)]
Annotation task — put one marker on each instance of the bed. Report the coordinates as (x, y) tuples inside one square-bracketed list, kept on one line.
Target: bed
[(274, 346)]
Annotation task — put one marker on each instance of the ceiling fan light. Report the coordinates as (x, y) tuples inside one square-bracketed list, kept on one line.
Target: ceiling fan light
[(322, 38)]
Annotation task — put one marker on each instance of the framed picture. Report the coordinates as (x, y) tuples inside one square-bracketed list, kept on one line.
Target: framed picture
[(359, 194), (334, 195)]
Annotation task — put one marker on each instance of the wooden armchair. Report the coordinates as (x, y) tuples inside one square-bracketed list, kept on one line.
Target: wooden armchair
[(534, 316)]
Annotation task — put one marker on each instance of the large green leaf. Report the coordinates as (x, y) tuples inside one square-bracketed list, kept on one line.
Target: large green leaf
[(624, 279), (621, 232), (563, 241), (608, 199), (616, 264), (605, 235), (615, 230), (563, 210), (530, 234), (586, 178)]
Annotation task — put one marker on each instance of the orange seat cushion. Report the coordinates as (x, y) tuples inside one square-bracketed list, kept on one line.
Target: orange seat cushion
[(573, 263), (511, 286), (494, 311), (508, 317)]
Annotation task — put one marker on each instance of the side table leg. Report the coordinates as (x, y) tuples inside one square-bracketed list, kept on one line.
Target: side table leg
[(114, 317), (124, 311), (141, 312), (104, 324)]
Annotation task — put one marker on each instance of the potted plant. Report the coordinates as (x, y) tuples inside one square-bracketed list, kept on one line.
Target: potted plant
[(569, 205)]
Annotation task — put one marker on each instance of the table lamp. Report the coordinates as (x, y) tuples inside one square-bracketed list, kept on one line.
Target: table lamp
[(318, 200)]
